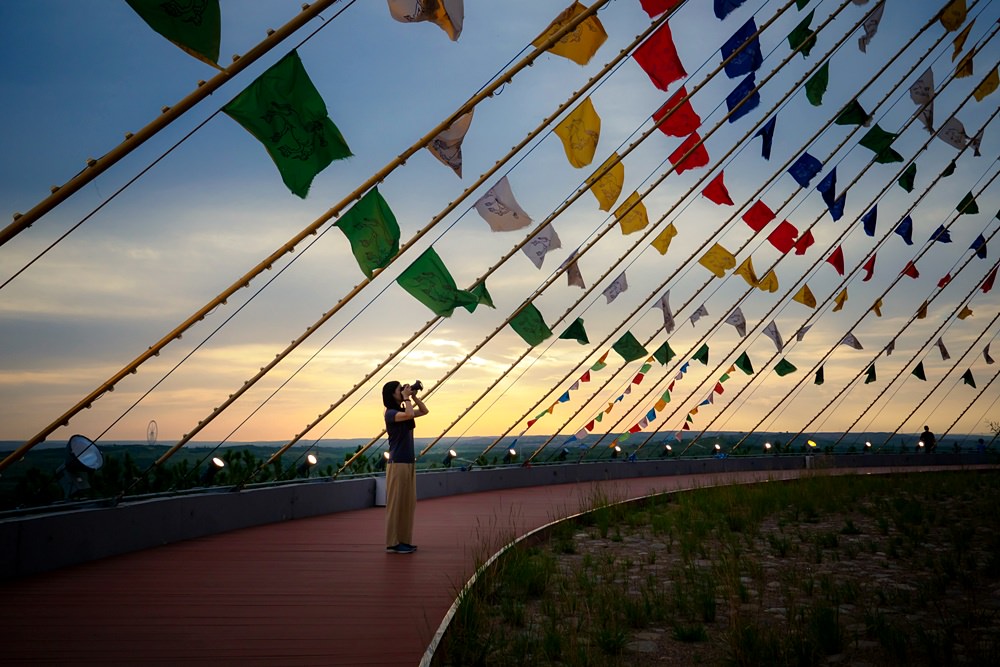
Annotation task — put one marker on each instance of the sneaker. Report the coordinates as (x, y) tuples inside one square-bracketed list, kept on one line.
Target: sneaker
[(412, 546), (401, 549)]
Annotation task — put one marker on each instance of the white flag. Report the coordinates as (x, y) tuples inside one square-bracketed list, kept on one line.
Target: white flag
[(612, 291), (986, 354), (771, 331), (890, 347), (447, 145), (573, 276), (500, 210), (850, 340), (922, 94), (801, 333), (944, 351), (449, 15), (871, 27), (737, 320), (574, 386), (541, 243), (581, 434), (643, 423), (953, 133), (698, 314), (977, 142), (668, 317)]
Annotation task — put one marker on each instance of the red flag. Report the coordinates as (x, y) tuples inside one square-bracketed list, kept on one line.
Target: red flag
[(697, 158), (716, 192), (803, 243), (590, 426), (638, 378), (869, 268), (687, 427), (683, 121), (910, 270), (944, 281), (656, 7), (585, 377), (836, 260), (988, 283), (718, 388), (758, 215), (783, 236), (671, 387), (658, 58), (634, 429), (531, 422)]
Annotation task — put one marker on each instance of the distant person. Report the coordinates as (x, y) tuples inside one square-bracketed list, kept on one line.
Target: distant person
[(981, 446), (402, 407), (930, 442)]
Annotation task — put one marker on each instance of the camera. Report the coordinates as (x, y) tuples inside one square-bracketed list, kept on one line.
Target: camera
[(417, 386)]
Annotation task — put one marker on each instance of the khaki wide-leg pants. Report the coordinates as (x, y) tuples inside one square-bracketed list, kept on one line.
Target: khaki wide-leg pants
[(400, 503)]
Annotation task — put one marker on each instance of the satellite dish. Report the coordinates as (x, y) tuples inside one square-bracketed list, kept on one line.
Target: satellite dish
[(151, 432), (83, 454)]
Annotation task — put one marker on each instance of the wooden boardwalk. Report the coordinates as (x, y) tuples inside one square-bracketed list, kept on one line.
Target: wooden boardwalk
[(318, 591)]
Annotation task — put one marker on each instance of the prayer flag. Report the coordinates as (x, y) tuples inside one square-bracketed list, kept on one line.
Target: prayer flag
[(195, 27), (910, 270), (941, 235), (664, 354), (743, 363), (619, 285), (840, 300), (766, 134), (758, 215), (987, 86), (540, 244), (871, 27), (949, 170), (677, 118), (952, 132), (599, 364), (608, 186), (784, 367), (922, 311), (580, 131), (944, 351), (582, 42), (828, 189), (801, 333), (430, 283), (718, 260), (870, 377), (749, 59), (817, 83), (724, 7), (500, 210), (576, 332), (805, 297), (743, 99), (657, 56), (965, 66), (968, 379), (953, 15), (879, 142), (371, 228), (979, 245), (869, 269), (656, 7), (716, 191), (629, 348), (771, 331), (959, 42), (285, 112), (918, 372), (966, 312), (574, 277), (819, 376), (804, 168), (668, 317), (530, 326), (449, 15), (702, 354), (802, 37), (662, 241), (869, 219), (745, 271), (698, 156), (877, 308), (986, 354), (990, 279), (803, 242), (769, 283), (783, 236), (737, 319), (836, 260), (905, 230), (631, 214), (850, 340), (906, 180), (447, 145), (852, 114), (968, 205), (701, 312)]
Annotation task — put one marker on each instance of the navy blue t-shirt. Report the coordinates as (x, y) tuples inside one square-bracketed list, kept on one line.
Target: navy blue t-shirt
[(400, 438)]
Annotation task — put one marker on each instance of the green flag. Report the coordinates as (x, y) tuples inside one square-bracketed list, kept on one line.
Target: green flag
[(799, 4), (784, 367), (870, 377), (906, 180), (819, 376), (968, 205), (702, 354), (817, 83), (193, 26), (371, 228), (743, 363), (853, 114), (530, 326), (918, 372), (968, 379), (629, 348), (429, 282), (285, 112), (483, 298), (803, 36), (879, 142), (949, 170), (664, 354), (576, 332)]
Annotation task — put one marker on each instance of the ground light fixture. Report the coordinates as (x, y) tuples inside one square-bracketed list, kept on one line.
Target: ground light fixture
[(616, 451), (868, 445), (306, 466), (920, 444), (667, 450), (214, 466), (564, 454), (82, 458), (717, 448), (767, 446), (510, 456), (811, 443), (382, 460), (449, 457)]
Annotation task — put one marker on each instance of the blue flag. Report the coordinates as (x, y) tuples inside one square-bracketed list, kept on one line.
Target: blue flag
[(804, 169), (905, 229), (828, 188), (749, 59), (941, 235), (766, 133), (724, 7), (742, 91), (979, 245), (869, 220)]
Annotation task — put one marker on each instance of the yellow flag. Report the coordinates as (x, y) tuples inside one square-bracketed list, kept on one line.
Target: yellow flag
[(988, 85), (959, 42), (841, 298), (580, 132), (966, 312), (922, 311), (662, 242), (746, 271), (660, 404), (718, 260), (694, 411), (965, 66), (877, 308), (805, 297), (608, 187), (632, 215), (953, 15), (582, 43), (768, 283)]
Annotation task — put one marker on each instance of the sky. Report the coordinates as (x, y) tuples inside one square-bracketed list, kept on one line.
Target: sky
[(79, 76)]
